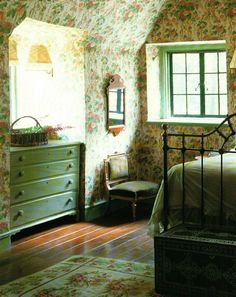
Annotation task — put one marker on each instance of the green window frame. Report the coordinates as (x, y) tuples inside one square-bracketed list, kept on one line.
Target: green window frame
[(198, 101), (159, 92)]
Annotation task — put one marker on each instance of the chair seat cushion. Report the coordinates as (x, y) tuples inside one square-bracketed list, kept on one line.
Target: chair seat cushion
[(144, 188)]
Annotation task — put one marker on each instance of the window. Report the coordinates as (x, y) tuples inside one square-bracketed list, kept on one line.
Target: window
[(198, 84), (32, 93), (187, 82), (49, 99)]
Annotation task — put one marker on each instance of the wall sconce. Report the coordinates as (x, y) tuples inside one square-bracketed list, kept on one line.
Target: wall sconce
[(232, 64), (13, 58), (39, 59)]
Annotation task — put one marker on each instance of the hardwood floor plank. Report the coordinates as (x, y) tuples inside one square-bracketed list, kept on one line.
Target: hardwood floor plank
[(117, 244), (115, 236), (54, 239), (54, 232)]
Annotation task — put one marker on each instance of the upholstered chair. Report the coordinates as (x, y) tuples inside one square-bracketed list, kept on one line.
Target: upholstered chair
[(120, 186)]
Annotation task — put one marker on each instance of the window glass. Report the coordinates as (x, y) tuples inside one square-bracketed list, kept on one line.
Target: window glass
[(179, 84), (192, 63), (180, 104), (223, 104), (35, 96), (222, 62), (211, 83), (193, 84), (194, 105), (179, 63), (211, 104), (211, 62), (223, 83), (202, 80)]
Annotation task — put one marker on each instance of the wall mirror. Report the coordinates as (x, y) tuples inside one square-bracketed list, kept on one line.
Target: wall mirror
[(116, 105)]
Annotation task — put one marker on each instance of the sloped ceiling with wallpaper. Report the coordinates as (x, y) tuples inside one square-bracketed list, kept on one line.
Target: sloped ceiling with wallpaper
[(116, 29), (119, 24)]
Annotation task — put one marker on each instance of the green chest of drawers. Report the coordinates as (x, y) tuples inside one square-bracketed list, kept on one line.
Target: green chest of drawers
[(44, 183)]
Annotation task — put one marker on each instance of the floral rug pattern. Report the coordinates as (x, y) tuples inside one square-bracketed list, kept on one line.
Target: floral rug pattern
[(86, 276)]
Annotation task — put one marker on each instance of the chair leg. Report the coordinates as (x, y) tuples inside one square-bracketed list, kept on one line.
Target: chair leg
[(134, 205), (108, 205)]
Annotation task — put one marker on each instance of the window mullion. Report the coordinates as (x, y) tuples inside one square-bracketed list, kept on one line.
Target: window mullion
[(202, 84)]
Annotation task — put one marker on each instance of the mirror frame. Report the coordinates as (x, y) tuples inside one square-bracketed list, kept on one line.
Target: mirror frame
[(115, 83)]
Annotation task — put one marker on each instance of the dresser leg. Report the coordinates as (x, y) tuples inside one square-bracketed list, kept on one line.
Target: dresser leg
[(5, 243)]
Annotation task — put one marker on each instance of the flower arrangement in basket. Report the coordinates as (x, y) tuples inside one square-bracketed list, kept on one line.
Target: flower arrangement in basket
[(28, 136), (33, 136)]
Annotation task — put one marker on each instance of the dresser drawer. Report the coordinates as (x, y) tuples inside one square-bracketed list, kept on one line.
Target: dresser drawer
[(42, 208), (27, 173), (36, 156), (43, 187)]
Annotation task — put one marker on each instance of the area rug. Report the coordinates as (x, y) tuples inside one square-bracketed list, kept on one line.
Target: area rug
[(86, 276)]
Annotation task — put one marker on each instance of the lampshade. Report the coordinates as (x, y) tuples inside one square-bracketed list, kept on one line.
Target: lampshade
[(13, 59), (39, 55), (39, 59), (232, 64)]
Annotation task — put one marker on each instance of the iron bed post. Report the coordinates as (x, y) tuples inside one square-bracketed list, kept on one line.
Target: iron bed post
[(165, 176), (221, 188), (183, 177), (202, 182)]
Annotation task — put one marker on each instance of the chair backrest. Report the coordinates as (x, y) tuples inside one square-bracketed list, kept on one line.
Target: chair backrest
[(116, 169)]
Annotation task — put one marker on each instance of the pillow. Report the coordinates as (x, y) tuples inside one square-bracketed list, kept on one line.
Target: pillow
[(118, 167)]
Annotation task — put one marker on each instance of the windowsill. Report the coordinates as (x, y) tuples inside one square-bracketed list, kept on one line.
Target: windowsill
[(188, 121)]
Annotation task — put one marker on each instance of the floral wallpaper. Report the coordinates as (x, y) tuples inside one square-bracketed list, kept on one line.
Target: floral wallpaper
[(116, 30), (106, 63), (185, 20)]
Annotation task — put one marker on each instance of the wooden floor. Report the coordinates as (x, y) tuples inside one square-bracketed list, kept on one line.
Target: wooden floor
[(115, 236)]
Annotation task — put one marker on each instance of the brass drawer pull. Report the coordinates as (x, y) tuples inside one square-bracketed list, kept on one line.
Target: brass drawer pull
[(21, 193), (21, 173), (21, 158), (71, 165), (71, 152), (70, 200), (70, 182), (20, 213)]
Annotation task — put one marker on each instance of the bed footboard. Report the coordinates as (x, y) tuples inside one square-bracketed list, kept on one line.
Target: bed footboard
[(198, 258)]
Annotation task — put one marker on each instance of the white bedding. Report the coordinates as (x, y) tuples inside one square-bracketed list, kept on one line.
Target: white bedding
[(193, 190)]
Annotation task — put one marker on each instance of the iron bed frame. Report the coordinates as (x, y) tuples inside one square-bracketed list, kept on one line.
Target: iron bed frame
[(197, 259)]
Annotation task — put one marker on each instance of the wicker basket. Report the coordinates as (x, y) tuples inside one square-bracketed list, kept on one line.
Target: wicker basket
[(20, 138)]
